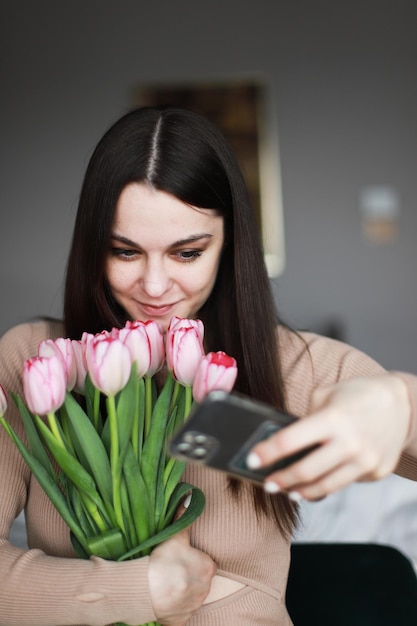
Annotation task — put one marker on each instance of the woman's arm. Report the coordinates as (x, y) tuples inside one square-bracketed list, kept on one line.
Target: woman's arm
[(407, 466), (361, 427), (363, 418), (39, 589), (36, 589)]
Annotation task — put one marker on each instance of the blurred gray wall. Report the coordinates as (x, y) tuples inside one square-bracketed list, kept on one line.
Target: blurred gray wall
[(344, 74)]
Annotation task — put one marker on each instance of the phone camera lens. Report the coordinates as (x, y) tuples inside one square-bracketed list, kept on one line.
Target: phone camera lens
[(199, 453)]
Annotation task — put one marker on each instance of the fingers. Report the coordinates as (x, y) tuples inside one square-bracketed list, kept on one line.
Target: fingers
[(332, 466), (349, 449), (288, 441), (179, 579), (327, 484), (313, 477)]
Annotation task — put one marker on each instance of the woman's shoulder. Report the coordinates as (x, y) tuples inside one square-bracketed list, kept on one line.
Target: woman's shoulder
[(319, 351), (21, 341), (309, 360)]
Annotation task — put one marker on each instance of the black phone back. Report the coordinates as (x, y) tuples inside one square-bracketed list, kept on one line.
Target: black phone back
[(221, 431)]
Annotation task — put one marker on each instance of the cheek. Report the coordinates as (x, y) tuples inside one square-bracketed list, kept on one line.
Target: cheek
[(118, 278), (203, 282)]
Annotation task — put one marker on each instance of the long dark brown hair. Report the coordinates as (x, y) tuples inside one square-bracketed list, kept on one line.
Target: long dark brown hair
[(180, 152)]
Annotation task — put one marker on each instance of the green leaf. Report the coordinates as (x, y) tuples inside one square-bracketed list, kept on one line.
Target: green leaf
[(155, 441), (125, 408), (126, 414), (89, 393), (78, 548), (172, 423), (90, 449), (140, 507), (172, 477), (108, 545), (177, 418), (92, 401), (35, 443), (69, 464), (159, 490), (180, 491), (78, 509), (139, 421), (128, 521), (48, 484), (180, 415), (189, 516)]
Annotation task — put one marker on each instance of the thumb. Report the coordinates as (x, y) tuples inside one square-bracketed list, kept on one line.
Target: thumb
[(183, 534), (183, 506)]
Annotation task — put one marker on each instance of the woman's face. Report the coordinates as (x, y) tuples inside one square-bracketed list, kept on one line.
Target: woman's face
[(164, 255)]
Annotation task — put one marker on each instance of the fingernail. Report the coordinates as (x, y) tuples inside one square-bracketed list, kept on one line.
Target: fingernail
[(295, 496), (187, 501), (271, 487), (253, 461)]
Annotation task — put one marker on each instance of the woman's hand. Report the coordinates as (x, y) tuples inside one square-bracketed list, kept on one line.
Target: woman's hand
[(360, 425), (179, 579)]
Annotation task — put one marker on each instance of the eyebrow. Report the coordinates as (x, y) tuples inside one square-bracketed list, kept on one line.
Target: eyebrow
[(180, 242)]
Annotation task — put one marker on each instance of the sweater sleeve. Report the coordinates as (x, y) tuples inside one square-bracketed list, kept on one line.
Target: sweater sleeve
[(408, 463), (311, 361), (37, 589)]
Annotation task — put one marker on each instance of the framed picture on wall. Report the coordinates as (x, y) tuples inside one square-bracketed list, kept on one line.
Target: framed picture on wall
[(243, 110)]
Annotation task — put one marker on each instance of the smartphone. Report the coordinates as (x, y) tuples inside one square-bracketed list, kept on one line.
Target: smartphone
[(222, 429)]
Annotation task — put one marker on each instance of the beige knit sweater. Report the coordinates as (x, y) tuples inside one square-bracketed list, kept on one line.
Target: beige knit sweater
[(48, 586)]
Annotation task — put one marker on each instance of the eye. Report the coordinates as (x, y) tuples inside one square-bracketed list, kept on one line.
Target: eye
[(124, 253), (186, 256)]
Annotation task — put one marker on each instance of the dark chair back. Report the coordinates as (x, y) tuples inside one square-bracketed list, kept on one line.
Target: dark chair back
[(344, 584)]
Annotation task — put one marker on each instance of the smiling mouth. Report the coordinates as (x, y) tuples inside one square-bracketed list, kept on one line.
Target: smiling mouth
[(156, 309)]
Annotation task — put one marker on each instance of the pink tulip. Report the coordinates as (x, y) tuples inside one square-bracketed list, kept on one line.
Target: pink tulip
[(157, 346), (44, 384), (62, 348), (86, 338), (108, 363), (184, 351), (182, 322), (80, 364), (134, 336), (3, 401), (175, 324), (216, 370)]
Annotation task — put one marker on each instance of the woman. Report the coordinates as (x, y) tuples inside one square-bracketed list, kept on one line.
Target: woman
[(164, 227)]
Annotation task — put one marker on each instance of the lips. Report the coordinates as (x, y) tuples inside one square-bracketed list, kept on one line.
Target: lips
[(155, 311)]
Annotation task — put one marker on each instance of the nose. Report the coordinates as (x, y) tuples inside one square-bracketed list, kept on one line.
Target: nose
[(155, 279)]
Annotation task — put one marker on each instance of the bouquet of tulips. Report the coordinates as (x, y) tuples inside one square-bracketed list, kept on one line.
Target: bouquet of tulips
[(94, 406)]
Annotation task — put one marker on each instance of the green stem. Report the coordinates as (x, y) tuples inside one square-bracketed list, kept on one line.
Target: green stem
[(177, 387), (135, 427), (148, 403), (94, 512), (188, 401), (96, 408), (65, 428), (114, 460), (53, 424)]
